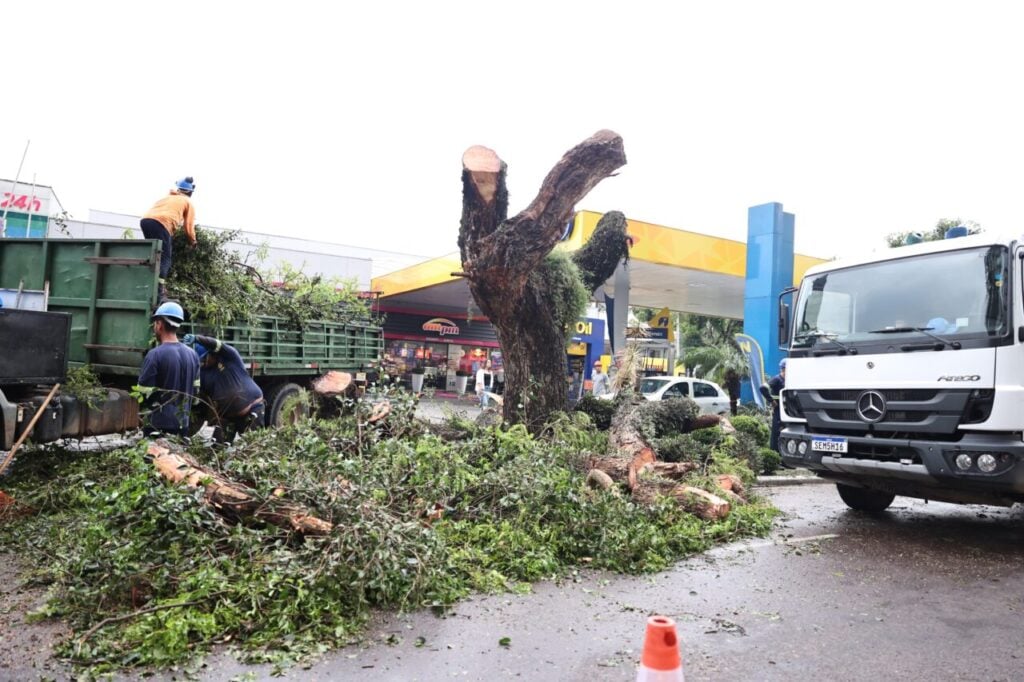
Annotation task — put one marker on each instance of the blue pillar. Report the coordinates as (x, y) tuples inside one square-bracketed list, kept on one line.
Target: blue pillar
[(769, 272)]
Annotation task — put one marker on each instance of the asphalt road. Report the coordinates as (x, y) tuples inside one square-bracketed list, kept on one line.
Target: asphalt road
[(923, 591)]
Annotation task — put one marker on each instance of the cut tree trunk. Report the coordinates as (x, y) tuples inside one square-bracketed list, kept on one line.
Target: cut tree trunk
[(233, 499), (698, 502), (333, 383), (503, 260), (618, 468)]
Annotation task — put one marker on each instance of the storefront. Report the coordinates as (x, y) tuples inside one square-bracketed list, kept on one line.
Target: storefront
[(440, 346)]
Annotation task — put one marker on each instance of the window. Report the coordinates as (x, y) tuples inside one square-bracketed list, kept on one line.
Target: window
[(952, 293), (703, 390), (651, 385), (676, 391)]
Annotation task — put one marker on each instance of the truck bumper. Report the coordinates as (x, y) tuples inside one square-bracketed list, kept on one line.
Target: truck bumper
[(918, 468)]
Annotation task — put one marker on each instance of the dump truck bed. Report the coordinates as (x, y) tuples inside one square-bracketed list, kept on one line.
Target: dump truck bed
[(109, 288)]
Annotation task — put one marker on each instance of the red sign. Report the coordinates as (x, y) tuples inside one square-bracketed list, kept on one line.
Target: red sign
[(442, 326), (22, 201)]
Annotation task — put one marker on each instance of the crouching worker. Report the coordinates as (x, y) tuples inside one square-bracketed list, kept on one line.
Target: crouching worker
[(237, 400)]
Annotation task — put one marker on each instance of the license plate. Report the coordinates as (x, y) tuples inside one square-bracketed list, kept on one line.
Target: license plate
[(828, 444)]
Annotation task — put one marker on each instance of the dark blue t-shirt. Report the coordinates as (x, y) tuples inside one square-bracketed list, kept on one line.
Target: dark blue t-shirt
[(174, 367), (228, 384)]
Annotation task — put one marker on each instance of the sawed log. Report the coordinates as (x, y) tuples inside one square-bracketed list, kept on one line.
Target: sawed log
[(233, 499)]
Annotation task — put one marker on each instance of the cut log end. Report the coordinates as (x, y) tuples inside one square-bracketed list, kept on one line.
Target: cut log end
[(332, 383), (599, 479), (480, 159), (380, 411)]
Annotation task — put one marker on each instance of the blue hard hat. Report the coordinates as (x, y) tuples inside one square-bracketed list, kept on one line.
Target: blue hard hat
[(186, 184), (171, 312), (782, 363), (201, 350)]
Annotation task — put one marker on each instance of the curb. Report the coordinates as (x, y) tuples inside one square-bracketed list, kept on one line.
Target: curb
[(774, 481)]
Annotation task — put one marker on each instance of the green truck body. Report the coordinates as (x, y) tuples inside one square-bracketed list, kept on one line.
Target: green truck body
[(109, 289)]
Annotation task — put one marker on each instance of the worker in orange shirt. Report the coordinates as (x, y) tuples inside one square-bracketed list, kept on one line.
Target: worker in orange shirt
[(173, 212)]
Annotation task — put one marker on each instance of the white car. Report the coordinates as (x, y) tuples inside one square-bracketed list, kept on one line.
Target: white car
[(709, 396)]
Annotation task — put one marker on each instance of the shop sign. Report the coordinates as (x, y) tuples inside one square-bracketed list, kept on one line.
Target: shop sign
[(576, 349), (442, 326), (24, 198), (589, 330)]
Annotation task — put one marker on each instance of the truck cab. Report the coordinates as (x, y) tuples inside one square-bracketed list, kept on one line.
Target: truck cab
[(906, 374)]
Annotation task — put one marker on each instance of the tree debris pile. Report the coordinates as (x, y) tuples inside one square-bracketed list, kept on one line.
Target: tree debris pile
[(215, 285), (149, 572)]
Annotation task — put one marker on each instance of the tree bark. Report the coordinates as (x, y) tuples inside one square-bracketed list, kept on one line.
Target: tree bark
[(233, 499), (501, 258)]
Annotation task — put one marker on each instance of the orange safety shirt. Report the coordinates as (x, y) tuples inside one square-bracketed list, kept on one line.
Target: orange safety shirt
[(174, 212)]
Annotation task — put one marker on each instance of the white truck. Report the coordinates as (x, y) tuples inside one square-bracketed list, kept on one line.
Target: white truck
[(906, 373)]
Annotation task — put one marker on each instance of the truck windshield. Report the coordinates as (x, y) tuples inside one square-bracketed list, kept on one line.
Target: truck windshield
[(956, 294)]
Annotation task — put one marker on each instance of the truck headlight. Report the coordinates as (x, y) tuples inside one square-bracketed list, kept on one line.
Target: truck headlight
[(802, 447), (964, 462), (987, 462), (791, 447)]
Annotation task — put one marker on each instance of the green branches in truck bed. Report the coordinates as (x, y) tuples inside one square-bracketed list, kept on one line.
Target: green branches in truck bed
[(218, 285)]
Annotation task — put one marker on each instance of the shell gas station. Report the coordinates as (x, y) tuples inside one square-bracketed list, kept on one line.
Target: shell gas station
[(431, 320)]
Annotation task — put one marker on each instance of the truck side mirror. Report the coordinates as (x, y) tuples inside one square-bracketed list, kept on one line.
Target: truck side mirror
[(784, 320)]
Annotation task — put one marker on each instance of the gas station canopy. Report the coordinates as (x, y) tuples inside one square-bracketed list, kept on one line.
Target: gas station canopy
[(668, 268)]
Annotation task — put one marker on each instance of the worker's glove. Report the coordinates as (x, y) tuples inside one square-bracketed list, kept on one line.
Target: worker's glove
[(189, 339)]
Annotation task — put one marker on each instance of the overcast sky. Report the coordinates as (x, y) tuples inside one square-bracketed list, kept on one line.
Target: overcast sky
[(346, 122)]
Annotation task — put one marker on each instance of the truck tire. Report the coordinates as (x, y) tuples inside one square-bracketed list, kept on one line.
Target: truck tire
[(865, 499), (279, 412)]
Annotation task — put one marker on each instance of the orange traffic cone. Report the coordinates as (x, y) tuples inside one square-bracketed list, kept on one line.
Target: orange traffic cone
[(661, 661)]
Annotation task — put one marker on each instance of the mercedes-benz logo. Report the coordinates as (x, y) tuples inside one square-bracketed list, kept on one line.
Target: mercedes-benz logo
[(871, 406)]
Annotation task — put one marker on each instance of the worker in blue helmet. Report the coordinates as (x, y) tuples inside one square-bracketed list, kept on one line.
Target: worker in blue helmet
[(236, 399), (171, 373)]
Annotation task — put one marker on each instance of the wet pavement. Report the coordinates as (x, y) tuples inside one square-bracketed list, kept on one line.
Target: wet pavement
[(923, 591)]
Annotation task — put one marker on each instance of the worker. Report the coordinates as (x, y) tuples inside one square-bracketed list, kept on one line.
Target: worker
[(236, 399), (172, 213), (732, 387), (599, 380), (171, 372), (775, 386)]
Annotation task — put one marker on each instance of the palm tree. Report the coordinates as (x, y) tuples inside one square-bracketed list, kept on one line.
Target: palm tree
[(713, 360)]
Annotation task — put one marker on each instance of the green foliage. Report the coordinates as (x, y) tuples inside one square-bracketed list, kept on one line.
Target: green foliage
[(770, 461), (606, 248), (83, 384), (216, 287), (744, 448), (559, 276), (600, 411), (937, 233), (420, 521), (757, 427)]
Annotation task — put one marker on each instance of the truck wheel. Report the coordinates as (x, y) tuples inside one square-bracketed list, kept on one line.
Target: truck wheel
[(284, 405), (865, 499)]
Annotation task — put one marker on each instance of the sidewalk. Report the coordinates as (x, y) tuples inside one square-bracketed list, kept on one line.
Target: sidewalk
[(438, 407)]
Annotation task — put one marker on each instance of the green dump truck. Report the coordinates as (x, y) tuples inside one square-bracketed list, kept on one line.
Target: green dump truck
[(71, 302)]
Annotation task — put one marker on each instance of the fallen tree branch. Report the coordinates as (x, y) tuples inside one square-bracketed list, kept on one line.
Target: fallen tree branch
[(231, 498)]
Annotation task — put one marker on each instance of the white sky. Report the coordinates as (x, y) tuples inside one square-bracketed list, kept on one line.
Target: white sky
[(346, 122)]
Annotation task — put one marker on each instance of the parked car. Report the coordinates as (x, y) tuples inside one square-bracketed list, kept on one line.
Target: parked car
[(709, 396)]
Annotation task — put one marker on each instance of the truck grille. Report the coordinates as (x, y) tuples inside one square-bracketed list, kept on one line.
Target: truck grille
[(909, 413)]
